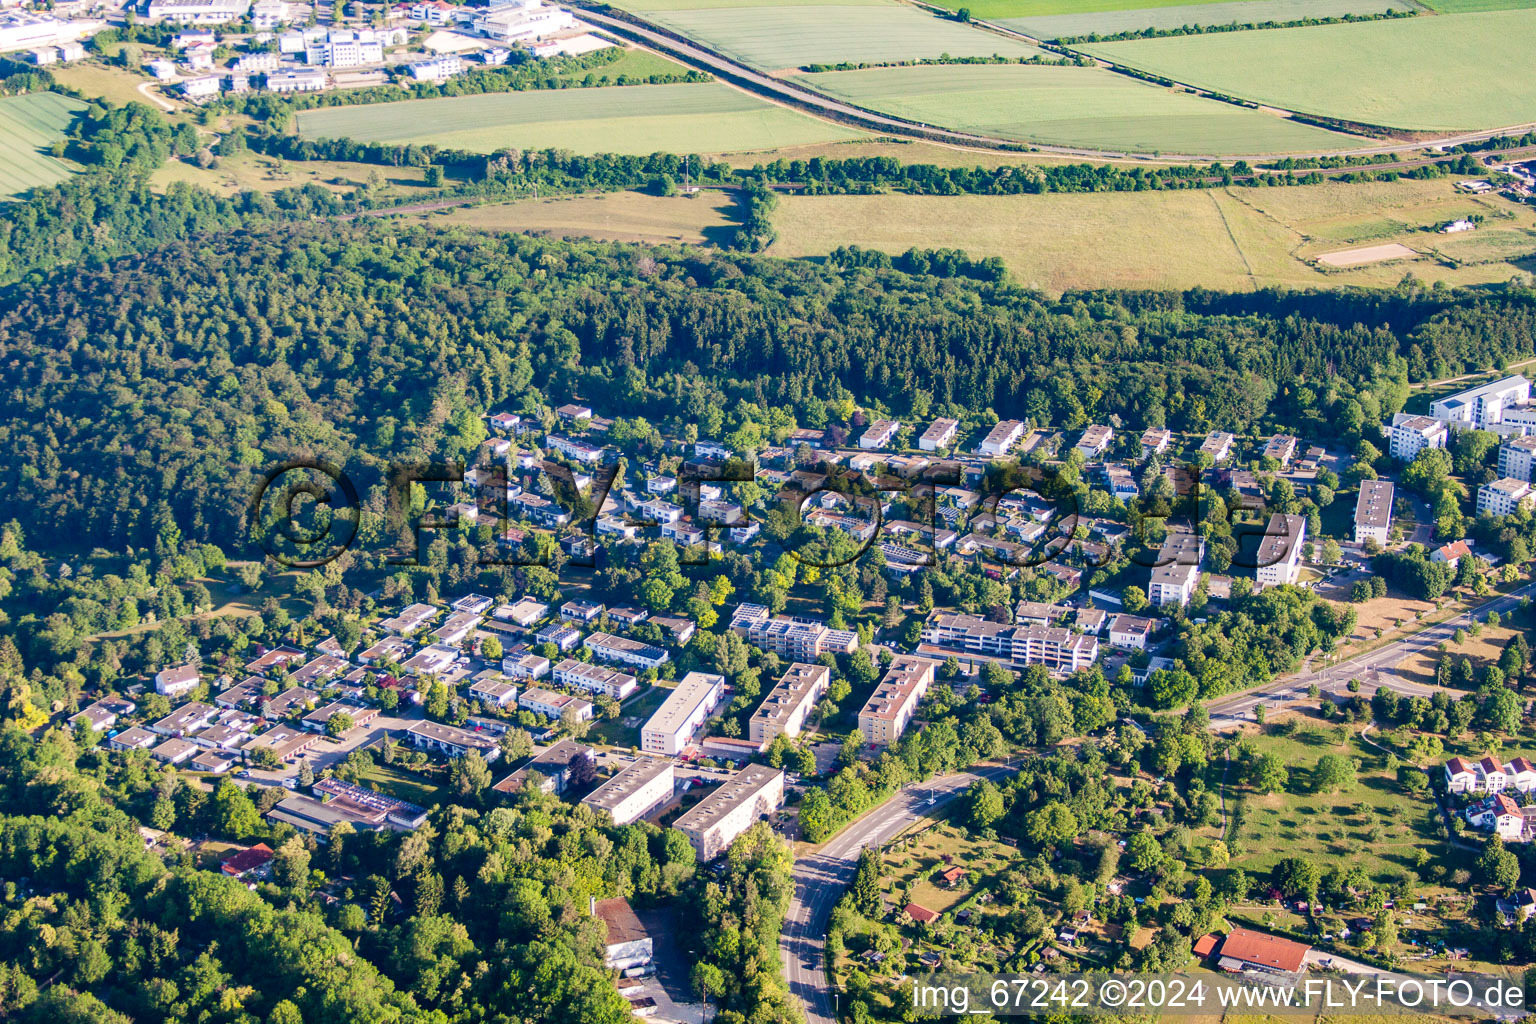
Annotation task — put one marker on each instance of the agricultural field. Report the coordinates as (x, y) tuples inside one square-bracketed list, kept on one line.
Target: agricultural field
[(29, 126), (1231, 12), (1478, 6), (1236, 238), (1072, 106), (706, 217), (769, 36), (641, 119), (1423, 74)]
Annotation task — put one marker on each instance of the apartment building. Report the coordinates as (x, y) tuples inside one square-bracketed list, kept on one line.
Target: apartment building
[(595, 679), (1482, 407), (1001, 439), (1373, 511), (1174, 578), (880, 434), (890, 708), (573, 449), (451, 740), (1130, 631), (554, 705), (1154, 440), (1517, 458), (625, 651), (940, 434), (1218, 445), (634, 792), (1281, 448), (1279, 554), (1058, 649), (672, 728), (1410, 435), (1095, 441), (796, 638), (789, 702), (1503, 497), (713, 823)]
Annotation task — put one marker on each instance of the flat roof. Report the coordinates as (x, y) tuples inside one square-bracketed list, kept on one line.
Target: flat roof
[(695, 689), (792, 689), (901, 682), (625, 784), (1374, 505), (745, 785)]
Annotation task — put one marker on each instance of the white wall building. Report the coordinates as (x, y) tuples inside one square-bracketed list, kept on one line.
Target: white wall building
[(1517, 458), (672, 728), (713, 823), (1482, 407), (1503, 497), (196, 12), (940, 434), (1279, 554), (1001, 438), (636, 791), (1373, 511)]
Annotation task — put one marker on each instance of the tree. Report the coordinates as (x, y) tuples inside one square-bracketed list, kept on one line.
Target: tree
[(234, 812), (1335, 773), (1297, 877), (470, 774), (290, 864), (853, 745), (306, 773), (515, 744), (866, 891), (1052, 825), (806, 758), (339, 724), (1498, 865), (983, 804), (490, 649), (1268, 774), (1144, 851)]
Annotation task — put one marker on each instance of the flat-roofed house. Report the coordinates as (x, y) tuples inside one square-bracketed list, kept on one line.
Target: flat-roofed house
[(636, 791), (1279, 553), (1001, 438), (595, 679), (940, 434), (627, 944), (1373, 512), (555, 765), (554, 705), (713, 823), (890, 708), (789, 702), (451, 740), (672, 728)]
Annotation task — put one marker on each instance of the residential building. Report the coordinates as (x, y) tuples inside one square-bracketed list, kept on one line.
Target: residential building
[(1482, 407), (581, 611), (1218, 445), (391, 648), (595, 679), (789, 702), (573, 449), (797, 638), (190, 717), (554, 705), (1001, 438), (493, 692), (1130, 631), (1500, 815), (713, 823), (1154, 440), (627, 946), (1408, 435), (1177, 573), (525, 612), (255, 862), (1503, 497), (451, 741), (1244, 950), (607, 647), (133, 739), (634, 792), (555, 765), (890, 708), (318, 719), (1460, 776), (1517, 458), (1520, 775), (456, 628), (177, 680), (672, 728), (525, 665), (439, 69), (1451, 553), (202, 87), (103, 714), (940, 434), (1373, 511), (565, 638), (410, 620), (175, 750), (1281, 448), (1491, 776), (432, 660), (1279, 553), (285, 741), (196, 12), (1095, 441), (880, 434), (1058, 649)]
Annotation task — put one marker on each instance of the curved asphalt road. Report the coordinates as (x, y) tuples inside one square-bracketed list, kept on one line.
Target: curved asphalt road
[(820, 880), (817, 103)]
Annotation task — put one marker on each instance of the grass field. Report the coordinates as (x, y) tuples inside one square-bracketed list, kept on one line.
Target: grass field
[(699, 118), (1478, 6), (93, 78), (29, 126), (613, 216), (1230, 12), (1432, 74), (768, 36), (250, 171), (1072, 106), (1226, 238)]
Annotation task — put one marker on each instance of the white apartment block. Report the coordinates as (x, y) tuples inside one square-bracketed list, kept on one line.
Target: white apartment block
[(799, 639), (715, 822), (196, 12), (1503, 497), (1058, 649), (1001, 439), (1409, 435), (625, 651), (1483, 407), (1373, 511), (1279, 553), (21, 30), (789, 702), (554, 705), (879, 434), (595, 679), (940, 434), (573, 449), (1517, 458), (1095, 441), (1130, 631), (635, 792), (524, 665), (1174, 578), (1218, 445), (890, 708), (452, 741), (673, 726), (1155, 439)]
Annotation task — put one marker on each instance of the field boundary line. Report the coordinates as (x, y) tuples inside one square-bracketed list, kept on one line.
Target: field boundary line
[(1226, 225)]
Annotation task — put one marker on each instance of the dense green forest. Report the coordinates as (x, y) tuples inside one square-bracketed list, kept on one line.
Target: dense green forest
[(148, 390)]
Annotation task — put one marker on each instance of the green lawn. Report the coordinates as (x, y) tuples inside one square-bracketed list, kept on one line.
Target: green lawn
[(696, 118), (29, 126), (773, 37), (615, 733), (1081, 22), (1478, 6), (994, 10), (1072, 106), (401, 784), (1436, 74)]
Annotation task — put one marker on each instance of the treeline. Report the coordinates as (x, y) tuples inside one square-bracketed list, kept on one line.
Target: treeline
[(932, 262), (995, 58), (1200, 30)]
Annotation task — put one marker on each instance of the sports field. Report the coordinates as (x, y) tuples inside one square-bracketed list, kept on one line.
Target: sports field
[(1231, 12), (696, 118), (1430, 74), (775, 36), (1237, 238), (29, 126), (1072, 106)]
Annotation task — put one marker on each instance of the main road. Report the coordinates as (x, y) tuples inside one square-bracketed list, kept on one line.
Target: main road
[(1372, 668), (821, 878)]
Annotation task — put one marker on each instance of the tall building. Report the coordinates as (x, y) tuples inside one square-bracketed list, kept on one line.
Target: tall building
[(635, 792), (1279, 554), (672, 728), (789, 702), (1482, 407), (890, 708), (1503, 497), (1409, 435), (1177, 572), (1517, 458), (1373, 511), (713, 823)]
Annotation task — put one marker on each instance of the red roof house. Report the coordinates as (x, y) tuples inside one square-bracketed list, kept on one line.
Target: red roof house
[(922, 915)]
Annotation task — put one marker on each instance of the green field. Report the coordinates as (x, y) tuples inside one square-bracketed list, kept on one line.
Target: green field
[(1431, 74), (772, 37), (29, 126), (1072, 106), (1478, 6), (700, 118), (1231, 12)]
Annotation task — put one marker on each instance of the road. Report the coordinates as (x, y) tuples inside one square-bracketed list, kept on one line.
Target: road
[(791, 94), (1372, 668), (820, 880)]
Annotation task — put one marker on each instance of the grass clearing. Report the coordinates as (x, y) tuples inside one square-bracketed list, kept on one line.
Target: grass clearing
[(1072, 106), (1231, 12), (611, 216), (94, 78), (1429, 74), (29, 126), (1235, 238), (398, 783), (251, 171), (772, 38), (641, 119), (1478, 6)]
